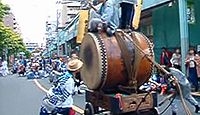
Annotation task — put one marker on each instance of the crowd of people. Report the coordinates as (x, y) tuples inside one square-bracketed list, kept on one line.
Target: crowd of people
[(192, 63)]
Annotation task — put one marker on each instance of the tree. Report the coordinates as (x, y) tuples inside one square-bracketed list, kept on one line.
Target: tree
[(9, 40), (4, 10)]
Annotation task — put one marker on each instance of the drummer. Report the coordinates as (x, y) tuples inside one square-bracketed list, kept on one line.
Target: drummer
[(106, 17)]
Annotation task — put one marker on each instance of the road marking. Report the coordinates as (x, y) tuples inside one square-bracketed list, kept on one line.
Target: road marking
[(40, 86), (75, 108)]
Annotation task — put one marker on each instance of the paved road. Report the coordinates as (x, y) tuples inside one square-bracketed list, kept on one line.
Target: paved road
[(19, 96)]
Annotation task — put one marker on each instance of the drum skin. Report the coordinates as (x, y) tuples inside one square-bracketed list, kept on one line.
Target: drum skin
[(104, 66)]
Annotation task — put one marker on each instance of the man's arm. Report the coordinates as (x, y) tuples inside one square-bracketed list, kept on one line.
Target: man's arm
[(108, 13)]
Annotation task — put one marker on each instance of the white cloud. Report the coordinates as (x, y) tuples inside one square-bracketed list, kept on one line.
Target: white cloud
[(31, 16)]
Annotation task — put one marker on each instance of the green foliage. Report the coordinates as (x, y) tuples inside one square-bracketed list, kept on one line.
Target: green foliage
[(8, 38)]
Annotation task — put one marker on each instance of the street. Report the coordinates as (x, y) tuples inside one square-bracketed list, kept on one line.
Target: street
[(19, 96)]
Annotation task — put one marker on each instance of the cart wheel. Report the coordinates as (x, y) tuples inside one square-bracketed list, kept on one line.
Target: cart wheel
[(154, 111), (89, 109)]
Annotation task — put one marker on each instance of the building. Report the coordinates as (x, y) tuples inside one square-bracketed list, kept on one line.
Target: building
[(31, 46), (161, 23), (70, 8), (59, 29), (11, 22)]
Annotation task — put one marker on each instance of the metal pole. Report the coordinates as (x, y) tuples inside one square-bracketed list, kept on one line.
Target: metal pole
[(184, 38), (66, 48), (58, 51)]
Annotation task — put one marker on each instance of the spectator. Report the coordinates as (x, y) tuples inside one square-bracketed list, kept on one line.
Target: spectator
[(15, 66), (191, 64), (165, 57), (5, 70), (176, 59), (198, 64)]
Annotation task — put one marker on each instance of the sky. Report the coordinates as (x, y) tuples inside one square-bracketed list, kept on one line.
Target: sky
[(31, 15)]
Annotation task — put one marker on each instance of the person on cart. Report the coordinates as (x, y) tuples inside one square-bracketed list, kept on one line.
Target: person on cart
[(59, 98), (106, 17)]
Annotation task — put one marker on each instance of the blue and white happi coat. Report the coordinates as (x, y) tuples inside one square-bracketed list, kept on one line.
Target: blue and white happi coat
[(60, 96)]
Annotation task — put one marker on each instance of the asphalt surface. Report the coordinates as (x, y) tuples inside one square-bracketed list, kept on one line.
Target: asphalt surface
[(19, 96)]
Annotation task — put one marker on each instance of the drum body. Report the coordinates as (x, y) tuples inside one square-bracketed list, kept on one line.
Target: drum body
[(105, 66)]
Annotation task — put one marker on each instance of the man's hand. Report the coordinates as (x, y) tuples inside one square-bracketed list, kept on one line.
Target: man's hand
[(92, 6)]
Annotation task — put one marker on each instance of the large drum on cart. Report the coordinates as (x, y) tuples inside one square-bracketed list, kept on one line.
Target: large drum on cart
[(117, 60)]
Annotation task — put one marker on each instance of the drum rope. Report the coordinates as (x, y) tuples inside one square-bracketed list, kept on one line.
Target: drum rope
[(150, 49), (127, 60), (187, 110)]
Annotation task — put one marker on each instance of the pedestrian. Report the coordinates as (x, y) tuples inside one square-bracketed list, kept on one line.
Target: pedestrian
[(1, 68), (59, 98), (191, 65), (15, 66), (4, 69), (127, 13), (186, 90), (106, 17), (21, 65), (165, 57), (176, 59), (198, 64)]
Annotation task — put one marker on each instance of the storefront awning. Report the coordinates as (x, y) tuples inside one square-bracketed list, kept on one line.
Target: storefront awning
[(70, 31)]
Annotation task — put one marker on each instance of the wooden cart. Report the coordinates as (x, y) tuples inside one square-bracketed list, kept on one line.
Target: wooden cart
[(142, 103)]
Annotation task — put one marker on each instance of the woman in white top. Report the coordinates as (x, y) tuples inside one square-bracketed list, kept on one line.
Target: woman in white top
[(198, 64), (191, 64), (176, 59)]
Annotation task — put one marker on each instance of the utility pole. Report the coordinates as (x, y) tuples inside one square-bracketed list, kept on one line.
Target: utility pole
[(57, 21), (184, 37)]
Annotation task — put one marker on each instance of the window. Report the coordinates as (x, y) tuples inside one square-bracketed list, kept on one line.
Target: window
[(190, 13)]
